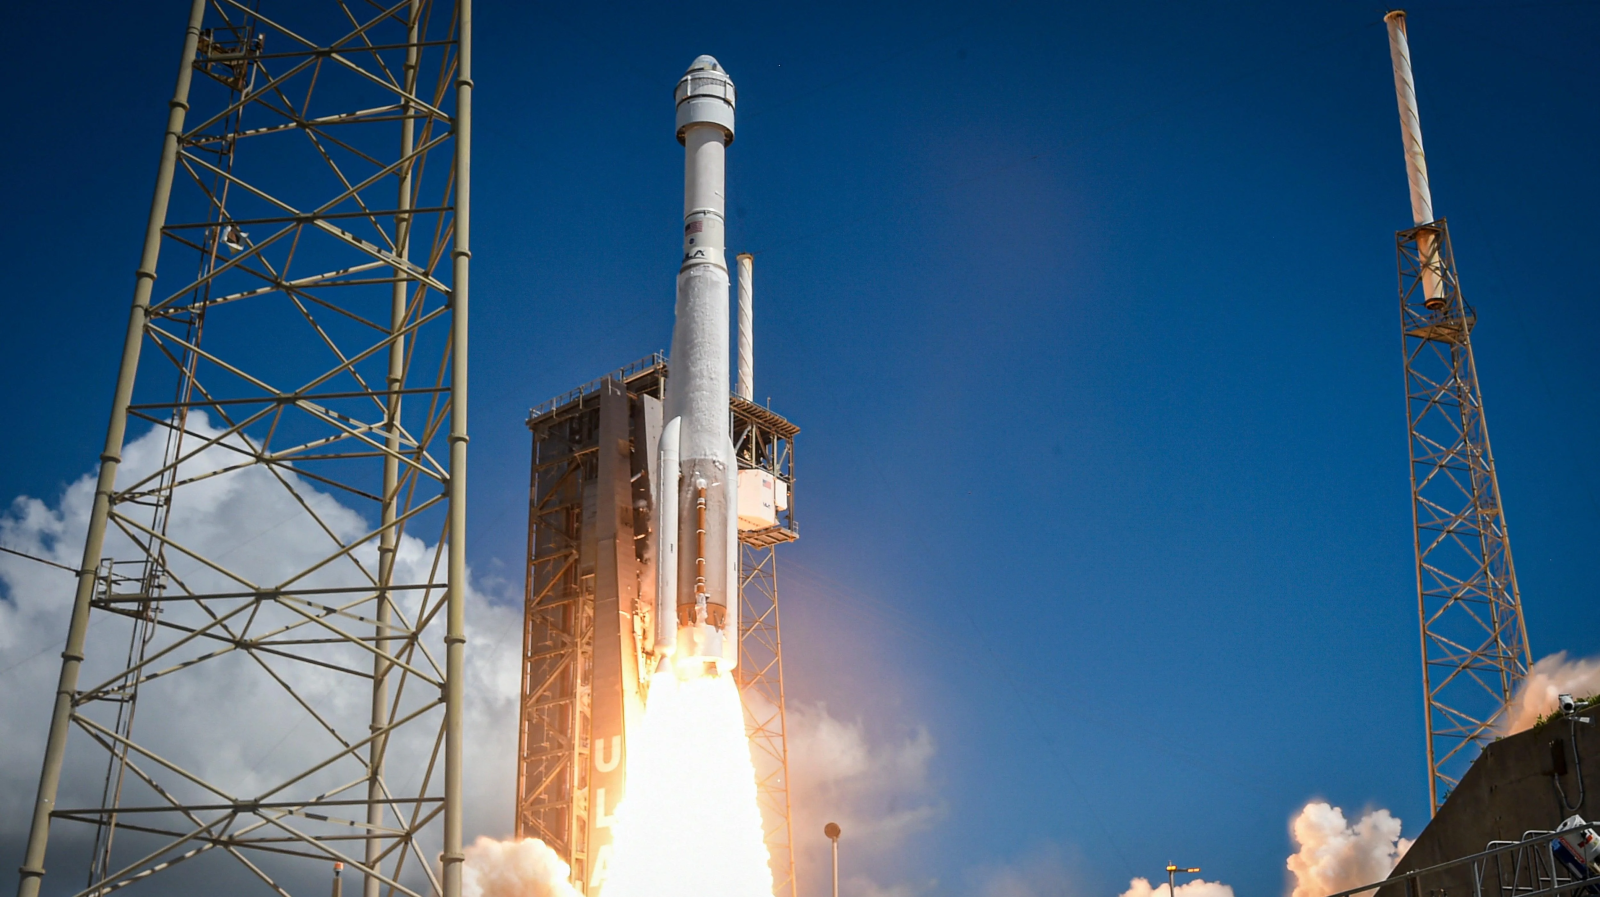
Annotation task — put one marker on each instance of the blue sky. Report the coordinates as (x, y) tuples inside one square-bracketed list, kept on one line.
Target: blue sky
[(1088, 315)]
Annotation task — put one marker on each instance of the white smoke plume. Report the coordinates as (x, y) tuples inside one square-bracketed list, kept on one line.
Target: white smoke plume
[(526, 868), (1141, 887), (1334, 854), (1551, 676), (879, 792)]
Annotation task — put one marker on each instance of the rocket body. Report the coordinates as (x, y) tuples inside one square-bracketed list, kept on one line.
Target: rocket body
[(697, 603)]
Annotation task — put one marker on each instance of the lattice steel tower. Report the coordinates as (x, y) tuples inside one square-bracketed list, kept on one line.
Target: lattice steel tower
[(305, 346), (1474, 645)]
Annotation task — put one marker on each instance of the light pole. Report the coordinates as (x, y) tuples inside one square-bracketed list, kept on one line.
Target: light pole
[(1174, 870), (832, 831)]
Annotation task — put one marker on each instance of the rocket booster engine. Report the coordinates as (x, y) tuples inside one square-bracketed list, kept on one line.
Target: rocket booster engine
[(697, 606)]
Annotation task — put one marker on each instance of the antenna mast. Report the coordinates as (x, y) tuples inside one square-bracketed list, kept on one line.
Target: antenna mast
[(1474, 645)]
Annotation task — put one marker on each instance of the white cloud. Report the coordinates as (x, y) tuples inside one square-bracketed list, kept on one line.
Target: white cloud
[(1334, 854), (1550, 677), (225, 719), (877, 788), (1141, 887)]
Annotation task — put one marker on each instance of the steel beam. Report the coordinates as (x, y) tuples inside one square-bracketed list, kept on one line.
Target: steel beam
[(33, 868)]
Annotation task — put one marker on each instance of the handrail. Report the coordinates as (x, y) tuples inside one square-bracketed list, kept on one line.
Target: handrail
[(1536, 839), (654, 359)]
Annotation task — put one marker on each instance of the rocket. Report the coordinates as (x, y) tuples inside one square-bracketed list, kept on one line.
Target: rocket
[(697, 606)]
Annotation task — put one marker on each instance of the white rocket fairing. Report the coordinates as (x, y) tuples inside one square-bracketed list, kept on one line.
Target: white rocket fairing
[(697, 607)]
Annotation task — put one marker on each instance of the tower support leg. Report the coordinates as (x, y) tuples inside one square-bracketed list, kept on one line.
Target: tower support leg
[(455, 632), (32, 871)]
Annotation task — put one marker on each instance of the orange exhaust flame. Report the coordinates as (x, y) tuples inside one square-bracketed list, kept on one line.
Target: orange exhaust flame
[(689, 825)]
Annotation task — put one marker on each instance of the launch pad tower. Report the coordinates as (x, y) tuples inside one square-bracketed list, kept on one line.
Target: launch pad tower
[(590, 600)]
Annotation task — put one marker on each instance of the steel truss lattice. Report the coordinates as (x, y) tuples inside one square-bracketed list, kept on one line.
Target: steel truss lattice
[(558, 642), (306, 351), (763, 440), (1474, 645), (761, 683), (574, 650)]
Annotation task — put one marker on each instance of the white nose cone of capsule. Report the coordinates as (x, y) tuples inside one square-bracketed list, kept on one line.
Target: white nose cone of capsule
[(697, 603)]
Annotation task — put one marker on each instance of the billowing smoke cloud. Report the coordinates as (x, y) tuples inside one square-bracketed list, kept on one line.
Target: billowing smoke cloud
[(249, 521), (1334, 854), (526, 868), (878, 792), (1140, 887), (1551, 676)]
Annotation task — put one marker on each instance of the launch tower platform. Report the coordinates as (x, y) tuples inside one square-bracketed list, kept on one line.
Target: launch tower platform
[(589, 601)]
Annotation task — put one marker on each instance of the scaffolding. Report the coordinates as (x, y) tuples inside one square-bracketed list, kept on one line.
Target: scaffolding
[(585, 565), (557, 779), (763, 440), (308, 351), (1474, 645)]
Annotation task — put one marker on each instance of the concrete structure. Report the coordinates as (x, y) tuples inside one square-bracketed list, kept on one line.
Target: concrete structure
[(1512, 789)]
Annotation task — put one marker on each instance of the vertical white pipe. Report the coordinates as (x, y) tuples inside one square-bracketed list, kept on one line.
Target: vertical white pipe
[(455, 639), (32, 870), (730, 624), (747, 351), (1405, 90)]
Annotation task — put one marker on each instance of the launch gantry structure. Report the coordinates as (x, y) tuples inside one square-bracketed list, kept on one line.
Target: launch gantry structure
[(302, 355), (590, 599), (1475, 652), (656, 500)]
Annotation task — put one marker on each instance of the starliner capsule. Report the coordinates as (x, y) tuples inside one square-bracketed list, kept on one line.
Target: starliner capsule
[(697, 607)]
